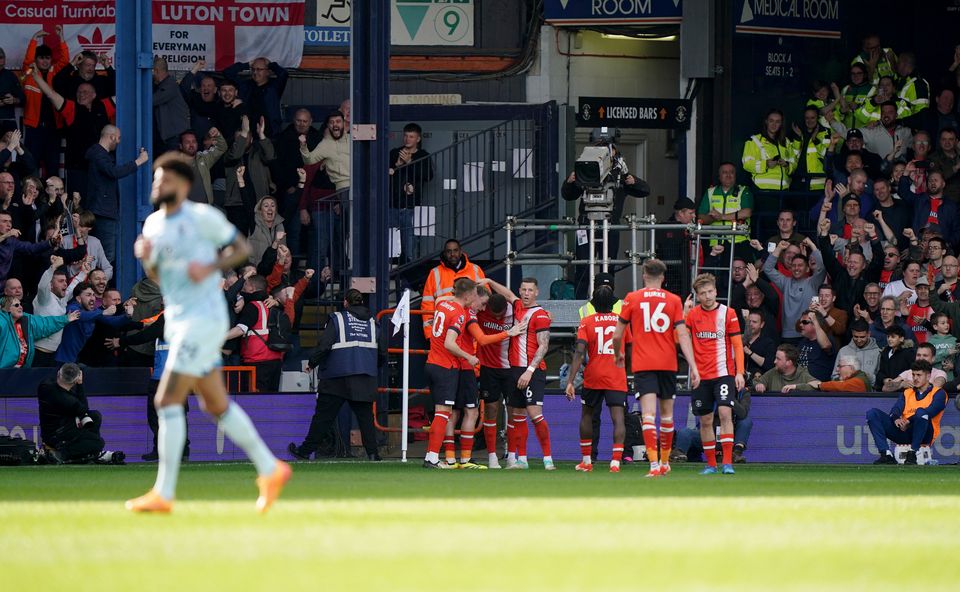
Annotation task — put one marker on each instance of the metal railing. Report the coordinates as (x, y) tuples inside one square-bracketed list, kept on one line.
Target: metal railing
[(466, 190)]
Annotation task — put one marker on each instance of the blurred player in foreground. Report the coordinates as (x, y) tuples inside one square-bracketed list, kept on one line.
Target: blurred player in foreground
[(716, 335), (185, 246), (603, 381)]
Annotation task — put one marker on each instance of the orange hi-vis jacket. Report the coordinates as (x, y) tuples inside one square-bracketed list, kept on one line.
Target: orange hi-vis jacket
[(31, 92), (440, 283)]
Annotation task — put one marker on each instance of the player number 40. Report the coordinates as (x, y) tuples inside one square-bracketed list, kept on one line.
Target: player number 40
[(439, 320), (658, 321)]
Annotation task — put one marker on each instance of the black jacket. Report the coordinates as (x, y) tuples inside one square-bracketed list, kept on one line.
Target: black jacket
[(849, 291), (891, 366), (353, 388), (59, 410)]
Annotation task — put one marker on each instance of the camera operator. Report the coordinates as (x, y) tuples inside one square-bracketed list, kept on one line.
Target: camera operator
[(620, 182), (67, 424)]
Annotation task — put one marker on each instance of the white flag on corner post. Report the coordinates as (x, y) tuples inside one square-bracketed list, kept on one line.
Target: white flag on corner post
[(401, 315)]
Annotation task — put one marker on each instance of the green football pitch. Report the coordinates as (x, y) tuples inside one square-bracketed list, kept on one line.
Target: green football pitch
[(352, 526)]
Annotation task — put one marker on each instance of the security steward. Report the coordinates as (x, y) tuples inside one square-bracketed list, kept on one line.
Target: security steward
[(348, 357), (454, 265), (589, 308)]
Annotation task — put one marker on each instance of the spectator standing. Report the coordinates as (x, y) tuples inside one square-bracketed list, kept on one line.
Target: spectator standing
[(851, 278), (19, 332), (454, 265), (727, 203), (896, 357), (913, 94), (171, 117), (333, 151), (202, 162), (252, 328), (911, 273), (11, 95), (76, 334), (101, 349), (269, 231), (84, 120), (890, 138), (284, 172), (103, 193), (204, 103), (853, 95), (944, 343), (838, 161), (887, 317), (891, 213), (53, 292), (930, 208), (798, 288), (835, 320), (946, 159), (85, 222), (879, 60), (917, 315), (864, 349), (768, 157), (39, 115), (83, 69), (786, 230), (942, 115), (149, 303), (811, 145), (410, 169), (261, 93), (786, 371), (11, 245), (67, 424)]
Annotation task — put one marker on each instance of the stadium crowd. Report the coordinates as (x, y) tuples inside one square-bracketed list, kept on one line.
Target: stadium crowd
[(872, 169)]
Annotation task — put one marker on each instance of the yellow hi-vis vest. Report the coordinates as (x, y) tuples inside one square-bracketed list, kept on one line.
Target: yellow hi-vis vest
[(756, 152), (727, 203), (814, 154), (588, 309)]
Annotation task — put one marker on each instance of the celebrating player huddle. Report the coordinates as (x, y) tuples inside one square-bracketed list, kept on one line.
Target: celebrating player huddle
[(508, 337)]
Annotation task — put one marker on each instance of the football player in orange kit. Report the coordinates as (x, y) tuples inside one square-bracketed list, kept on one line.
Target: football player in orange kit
[(655, 317), (718, 348), (603, 381)]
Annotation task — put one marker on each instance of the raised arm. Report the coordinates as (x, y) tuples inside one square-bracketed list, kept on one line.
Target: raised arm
[(55, 98), (500, 289)]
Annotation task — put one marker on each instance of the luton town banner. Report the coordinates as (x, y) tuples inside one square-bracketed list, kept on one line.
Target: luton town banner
[(184, 31)]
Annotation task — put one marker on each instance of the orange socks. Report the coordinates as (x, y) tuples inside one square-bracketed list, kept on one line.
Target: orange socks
[(650, 439), (543, 434), (726, 444)]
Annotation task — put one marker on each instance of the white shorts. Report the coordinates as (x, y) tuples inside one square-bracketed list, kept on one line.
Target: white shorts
[(195, 348)]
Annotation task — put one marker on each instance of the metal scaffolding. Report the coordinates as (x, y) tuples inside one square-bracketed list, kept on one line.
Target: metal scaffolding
[(634, 257)]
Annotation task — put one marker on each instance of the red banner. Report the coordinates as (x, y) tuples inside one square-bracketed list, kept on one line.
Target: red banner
[(220, 32)]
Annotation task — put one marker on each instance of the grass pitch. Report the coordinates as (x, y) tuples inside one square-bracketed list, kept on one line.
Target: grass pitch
[(389, 526)]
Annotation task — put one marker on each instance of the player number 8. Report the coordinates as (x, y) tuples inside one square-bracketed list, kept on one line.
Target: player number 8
[(724, 391)]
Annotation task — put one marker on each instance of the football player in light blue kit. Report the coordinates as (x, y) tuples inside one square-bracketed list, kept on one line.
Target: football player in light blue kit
[(185, 246)]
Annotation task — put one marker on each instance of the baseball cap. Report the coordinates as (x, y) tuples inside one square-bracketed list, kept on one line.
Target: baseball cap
[(684, 203), (854, 133), (850, 197), (923, 281), (603, 279)]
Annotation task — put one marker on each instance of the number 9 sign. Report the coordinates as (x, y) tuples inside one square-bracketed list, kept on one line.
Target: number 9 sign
[(452, 24)]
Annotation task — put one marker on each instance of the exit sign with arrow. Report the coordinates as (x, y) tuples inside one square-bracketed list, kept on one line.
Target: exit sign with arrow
[(633, 113)]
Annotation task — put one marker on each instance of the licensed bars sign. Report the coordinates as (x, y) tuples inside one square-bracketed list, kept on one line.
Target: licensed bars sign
[(633, 113), (579, 13)]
